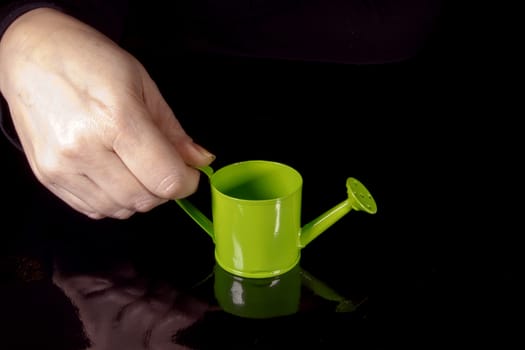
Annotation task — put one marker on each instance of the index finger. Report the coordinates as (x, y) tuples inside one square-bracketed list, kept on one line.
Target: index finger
[(152, 158)]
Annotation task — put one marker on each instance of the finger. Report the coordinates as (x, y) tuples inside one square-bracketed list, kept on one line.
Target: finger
[(152, 158), (105, 188), (116, 180), (82, 194), (75, 202), (192, 153), (52, 181)]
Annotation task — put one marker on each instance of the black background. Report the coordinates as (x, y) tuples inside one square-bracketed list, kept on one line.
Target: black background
[(439, 261)]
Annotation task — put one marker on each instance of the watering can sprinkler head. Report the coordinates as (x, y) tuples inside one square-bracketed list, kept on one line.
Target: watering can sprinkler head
[(359, 196)]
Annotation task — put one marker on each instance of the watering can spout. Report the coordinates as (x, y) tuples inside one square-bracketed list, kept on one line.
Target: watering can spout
[(359, 198)]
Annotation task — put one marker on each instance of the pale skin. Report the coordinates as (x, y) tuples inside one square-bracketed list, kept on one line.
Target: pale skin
[(94, 126)]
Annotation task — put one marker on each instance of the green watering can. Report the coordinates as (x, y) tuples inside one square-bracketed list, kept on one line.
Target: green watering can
[(256, 216)]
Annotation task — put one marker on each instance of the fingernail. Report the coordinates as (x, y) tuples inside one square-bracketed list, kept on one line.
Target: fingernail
[(204, 152)]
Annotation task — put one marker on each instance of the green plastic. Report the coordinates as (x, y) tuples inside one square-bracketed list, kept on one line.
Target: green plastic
[(272, 296), (256, 211), (258, 297)]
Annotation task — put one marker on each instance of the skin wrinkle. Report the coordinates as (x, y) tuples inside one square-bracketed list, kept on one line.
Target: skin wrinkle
[(58, 188), (106, 118), (127, 130), (25, 100), (119, 316), (170, 182), (146, 338)]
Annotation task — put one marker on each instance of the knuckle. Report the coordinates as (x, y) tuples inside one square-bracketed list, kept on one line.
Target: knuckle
[(95, 216), (122, 214), (173, 186), (73, 144), (122, 131), (147, 203), (50, 168)]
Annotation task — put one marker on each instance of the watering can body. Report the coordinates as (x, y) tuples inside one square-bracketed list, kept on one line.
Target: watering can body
[(253, 239)]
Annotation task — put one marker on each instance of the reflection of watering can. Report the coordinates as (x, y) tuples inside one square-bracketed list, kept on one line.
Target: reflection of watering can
[(256, 210), (273, 296)]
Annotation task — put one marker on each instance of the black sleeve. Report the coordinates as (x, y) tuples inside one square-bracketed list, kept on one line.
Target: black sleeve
[(106, 16)]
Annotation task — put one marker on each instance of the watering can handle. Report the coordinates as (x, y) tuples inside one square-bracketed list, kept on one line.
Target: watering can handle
[(202, 220), (206, 170)]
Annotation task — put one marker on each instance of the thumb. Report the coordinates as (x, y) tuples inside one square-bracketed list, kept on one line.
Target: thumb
[(154, 160)]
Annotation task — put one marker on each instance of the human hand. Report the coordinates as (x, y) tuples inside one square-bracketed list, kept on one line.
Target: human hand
[(93, 125)]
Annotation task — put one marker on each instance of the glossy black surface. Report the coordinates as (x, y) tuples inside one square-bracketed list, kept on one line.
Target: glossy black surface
[(434, 268)]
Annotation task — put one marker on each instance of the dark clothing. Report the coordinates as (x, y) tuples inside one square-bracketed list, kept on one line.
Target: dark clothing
[(359, 31), (356, 32)]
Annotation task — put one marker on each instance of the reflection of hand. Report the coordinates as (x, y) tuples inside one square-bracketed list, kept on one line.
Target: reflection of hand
[(121, 313), (94, 126)]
